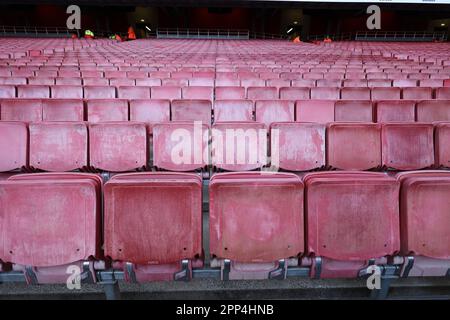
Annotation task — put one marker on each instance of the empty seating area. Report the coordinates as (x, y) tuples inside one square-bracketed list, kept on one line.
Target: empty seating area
[(293, 152)]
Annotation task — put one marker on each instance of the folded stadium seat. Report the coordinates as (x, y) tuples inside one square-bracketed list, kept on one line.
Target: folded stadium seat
[(396, 111), (62, 110), (354, 146), (67, 92), (201, 82), (33, 92), (447, 83), (148, 82), (95, 81), (162, 238), (204, 75), (60, 206), (278, 83), (379, 83), (294, 93), (381, 93), (407, 146), (122, 82), (149, 111), (202, 93), (160, 74), (320, 111), (58, 146), (13, 81), (22, 73), (355, 93), (7, 91), (303, 83), (328, 83), (99, 92), (14, 145), (325, 93), (441, 143), (297, 146), (433, 110), (180, 146), (233, 110), (376, 75), (41, 81), (419, 93), (137, 74), (269, 76), (353, 111), (175, 82), (227, 83), (116, 74), (292, 76), (425, 241), (133, 92), (167, 93), (434, 83), (76, 74), (404, 83), (355, 83), (104, 110), (313, 76), (242, 205), (439, 76), (443, 93), (268, 111), (255, 82), (262, 93), (21, 109), (191, 110), (340, 207), (118, 146), (227, 93), (181, 75), (238, 146), (418, 76), (69, 81), (355, 76)]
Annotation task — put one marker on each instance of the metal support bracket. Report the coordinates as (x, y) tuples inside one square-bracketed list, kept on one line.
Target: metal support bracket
[(185, 273), (280, 272)]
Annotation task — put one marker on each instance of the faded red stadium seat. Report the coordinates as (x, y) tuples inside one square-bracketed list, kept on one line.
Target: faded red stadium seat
[(58, 146), (122, 82), (7, 91), (328, 83), (297, 146), (424, 237), (233, 110), (303, 83), (325, 93), (355, 83), (41, 81), (355, 93), (433, 110), (62, 110), (148, 82), (239, 146), (404, 83), (433, 83), (443, 93), (407, 146), (419, 93), (262, 93), (191, 110), (118, 146), (239, 240), (320, 111), (99, 92), (268, 111), (386, 94), (200, 93), (447, 83), (354, 146), (350, 111), (294, 93), (61, 206), (67, 92), (13, 81), (201, 82), (150, 111), (278, 83), (166, 93), (165, 241), (133, 92), (33, 92), (335, 204), (103, 110), (379, 83), (14, 145), (69, 81), (180, 146), (227, 83), (441, 143), (175, 82), (227, 93), (396, 111), (21, 109), (95, 81)]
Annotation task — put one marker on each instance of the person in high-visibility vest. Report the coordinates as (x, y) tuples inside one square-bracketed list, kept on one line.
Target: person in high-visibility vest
[(131, 34), (88, 34)]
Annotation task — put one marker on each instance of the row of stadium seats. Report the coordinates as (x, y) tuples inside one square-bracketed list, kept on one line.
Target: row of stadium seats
[(209, 93), (263, 111), (335, 224), (238, 146)]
